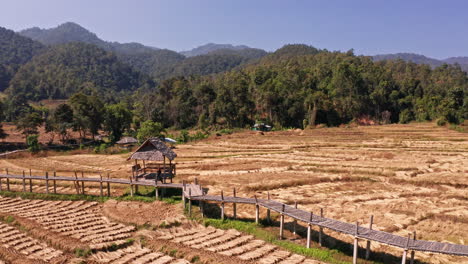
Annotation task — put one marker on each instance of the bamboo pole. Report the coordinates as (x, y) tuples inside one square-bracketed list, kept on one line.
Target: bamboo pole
[(356, 245), (82, 183), (405, 251), (222, 205), (24, 182), (101, 192), (234, 205), (7, 181), (309, 230), (412, 251), (55, 182), (47, 182), (108, 185), (190, 202), (268, 213), (257, 210), (368, 241), (1, 187), (131, 187), (30, 181), (282, 222), (295, 221), (76, 184), (321, 229)]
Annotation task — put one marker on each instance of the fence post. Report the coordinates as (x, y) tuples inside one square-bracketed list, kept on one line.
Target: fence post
[(294, 221), (190, 202), (47, 182), (184, 200), (257, 210), (108, 185), (282, 222), (412, 251), (321, 229), (82, 183), (405, 251), (131, 187), (234, 205), (76, 183), (55, 182), (30, 181), (1, 188), (222, 205), (24, 182), (368, 241), (101, 192), (309, 230), (356, 245), (268, 214), (7, 181)]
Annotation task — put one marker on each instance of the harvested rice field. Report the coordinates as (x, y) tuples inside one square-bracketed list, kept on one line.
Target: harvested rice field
[(409, 177)]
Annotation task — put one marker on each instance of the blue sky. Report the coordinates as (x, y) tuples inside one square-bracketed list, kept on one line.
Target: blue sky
[(433, 28)]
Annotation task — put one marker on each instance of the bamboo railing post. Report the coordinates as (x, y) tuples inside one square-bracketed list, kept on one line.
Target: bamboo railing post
[(7, 181), (1, 187), (412, 251), (368, 241), (202, 208), (76, 183), (24, 182), (257, 210), (222, 205), (234, 205), (131, 187), (184, 200), (356, 245), (321, 229), (190, 202), (282, 222), (55, 182), (30, 181), (268, 214), (108, 185), (405, 251), (47, 182), (101, 192), (309, 230), (196, 181), (294, 221), (82, 183)]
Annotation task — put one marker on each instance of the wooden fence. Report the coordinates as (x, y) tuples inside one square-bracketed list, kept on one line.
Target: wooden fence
[(195, 192)]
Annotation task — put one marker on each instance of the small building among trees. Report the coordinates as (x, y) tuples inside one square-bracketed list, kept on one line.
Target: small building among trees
[(127, 142)]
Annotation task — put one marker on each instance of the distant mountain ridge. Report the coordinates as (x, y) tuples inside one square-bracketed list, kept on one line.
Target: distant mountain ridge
[(421, 59), (210, 47), (72, 32)]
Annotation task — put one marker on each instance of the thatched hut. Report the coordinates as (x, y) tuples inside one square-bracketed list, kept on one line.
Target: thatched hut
[(156, 157), (127, 142)]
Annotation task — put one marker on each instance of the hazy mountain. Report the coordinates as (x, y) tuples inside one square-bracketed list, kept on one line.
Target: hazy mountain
[(459, 60), (72, 32), (416, 58), (210, 47)]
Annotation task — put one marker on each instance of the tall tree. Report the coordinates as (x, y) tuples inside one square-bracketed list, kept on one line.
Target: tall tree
[(117, 119)]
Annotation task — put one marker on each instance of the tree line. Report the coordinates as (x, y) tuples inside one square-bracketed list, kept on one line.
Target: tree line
[(296, 86)]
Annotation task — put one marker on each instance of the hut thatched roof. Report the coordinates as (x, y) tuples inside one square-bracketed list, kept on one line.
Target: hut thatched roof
[(153, 149), (127, 140)]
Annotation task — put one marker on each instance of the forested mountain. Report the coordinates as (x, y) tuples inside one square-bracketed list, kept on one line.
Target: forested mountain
[(421, 59), (319, 87), (210, 47), (68, 68), (15, 51), (72, 32)]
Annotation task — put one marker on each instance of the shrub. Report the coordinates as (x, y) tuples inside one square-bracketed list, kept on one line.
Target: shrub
[(441, 122), (33, 143)]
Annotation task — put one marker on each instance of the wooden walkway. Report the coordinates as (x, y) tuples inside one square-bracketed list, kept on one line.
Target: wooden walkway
[(195, 192)]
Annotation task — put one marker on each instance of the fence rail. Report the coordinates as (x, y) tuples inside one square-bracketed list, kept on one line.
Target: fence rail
[(196, 192)]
